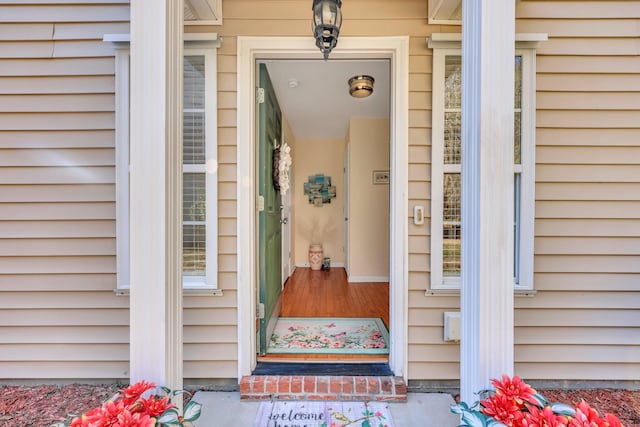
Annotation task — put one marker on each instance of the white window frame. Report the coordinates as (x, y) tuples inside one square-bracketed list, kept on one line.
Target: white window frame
[(195, 45), (443, 47)]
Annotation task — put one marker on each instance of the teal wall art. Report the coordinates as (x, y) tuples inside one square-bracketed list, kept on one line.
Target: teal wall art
[(319, 189)]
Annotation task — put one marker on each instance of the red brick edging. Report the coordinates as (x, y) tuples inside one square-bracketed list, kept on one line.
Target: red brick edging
[(341, 388)]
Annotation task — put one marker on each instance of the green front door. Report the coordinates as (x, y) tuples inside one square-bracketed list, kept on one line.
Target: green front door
[(269, 238)]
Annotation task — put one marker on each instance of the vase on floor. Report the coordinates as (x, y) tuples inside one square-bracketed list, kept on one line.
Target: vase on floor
[(315, 256)]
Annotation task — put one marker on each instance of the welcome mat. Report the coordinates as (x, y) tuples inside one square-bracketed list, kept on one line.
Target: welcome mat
[(329, 335), (323, 414)]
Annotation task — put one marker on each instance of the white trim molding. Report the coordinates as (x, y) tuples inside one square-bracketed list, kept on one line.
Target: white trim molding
[(486, 291), (446, 45), (396, 49), (198, 44), (156, 193)]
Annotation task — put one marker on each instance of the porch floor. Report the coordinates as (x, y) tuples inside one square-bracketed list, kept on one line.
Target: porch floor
[(420, 409)]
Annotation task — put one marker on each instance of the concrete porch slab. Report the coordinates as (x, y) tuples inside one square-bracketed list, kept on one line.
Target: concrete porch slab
[(226, 409)]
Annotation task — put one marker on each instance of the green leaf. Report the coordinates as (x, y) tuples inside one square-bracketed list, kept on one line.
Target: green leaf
[(365, 423), (170, 416), (192, 411), (541, 401), (562, 409), (474, 419)]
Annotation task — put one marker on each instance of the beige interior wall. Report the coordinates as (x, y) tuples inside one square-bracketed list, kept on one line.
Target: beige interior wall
[(368, 202), (319, 224)]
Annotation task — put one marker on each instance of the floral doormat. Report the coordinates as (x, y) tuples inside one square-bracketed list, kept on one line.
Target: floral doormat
[(343, 335), (323, 414)]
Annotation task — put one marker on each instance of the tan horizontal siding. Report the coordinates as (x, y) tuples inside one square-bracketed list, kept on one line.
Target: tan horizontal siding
[(59, 282), (570, 9), (587, 281), (588, 64), (578, 371), (551, 245), (60, 316), (58, 211), (66, 335), (573, 27), (65, 370), (58, 193), (59, 103), (57, 67), (87, 12)]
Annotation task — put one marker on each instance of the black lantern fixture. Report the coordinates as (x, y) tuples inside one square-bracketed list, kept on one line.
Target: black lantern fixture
[(327, 19)]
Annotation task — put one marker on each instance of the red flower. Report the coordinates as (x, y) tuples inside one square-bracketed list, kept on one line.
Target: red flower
[(127, 419), (514, 388), (586, 416), (545, 417), (133, 392), (613, 420), (155, 406), (504, 409)]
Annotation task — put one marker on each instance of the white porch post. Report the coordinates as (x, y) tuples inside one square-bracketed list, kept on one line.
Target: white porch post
[(488, 49), (156, 192)]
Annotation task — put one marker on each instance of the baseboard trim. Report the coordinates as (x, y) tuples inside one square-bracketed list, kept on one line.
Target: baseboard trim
[(359, 279)]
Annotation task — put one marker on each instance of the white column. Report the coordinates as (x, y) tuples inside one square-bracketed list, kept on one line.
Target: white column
[(488, 49), (156, 192)]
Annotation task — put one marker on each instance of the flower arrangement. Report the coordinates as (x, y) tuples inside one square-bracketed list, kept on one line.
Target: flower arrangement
[(128, 408), (514, 403)]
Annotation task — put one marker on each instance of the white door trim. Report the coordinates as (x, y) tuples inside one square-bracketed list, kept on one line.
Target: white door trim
[(397, 50)]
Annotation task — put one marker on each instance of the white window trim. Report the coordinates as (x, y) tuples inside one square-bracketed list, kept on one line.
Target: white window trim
[(195, 44), (450, 44)]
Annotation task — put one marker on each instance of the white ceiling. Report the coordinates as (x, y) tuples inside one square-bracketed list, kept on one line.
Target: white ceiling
[(320, 107)]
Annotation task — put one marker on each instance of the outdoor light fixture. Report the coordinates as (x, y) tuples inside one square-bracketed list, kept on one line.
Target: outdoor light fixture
[(361, 86), (327, 19)]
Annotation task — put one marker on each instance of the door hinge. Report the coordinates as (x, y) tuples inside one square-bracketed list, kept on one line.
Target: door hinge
[(260, 203), (260, 95), (260, 311)]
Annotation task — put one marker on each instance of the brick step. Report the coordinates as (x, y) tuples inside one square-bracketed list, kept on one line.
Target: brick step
[(323, 387)]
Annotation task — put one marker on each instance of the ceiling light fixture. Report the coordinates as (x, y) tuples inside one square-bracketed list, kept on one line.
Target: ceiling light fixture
[(327, 19), (361, 86)]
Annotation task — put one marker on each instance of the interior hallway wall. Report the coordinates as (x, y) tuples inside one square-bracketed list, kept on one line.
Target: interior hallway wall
[(319, 224), (368, 202)]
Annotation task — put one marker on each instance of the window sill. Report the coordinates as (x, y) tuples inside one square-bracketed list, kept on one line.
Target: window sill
[(187, 292), (454, 292)]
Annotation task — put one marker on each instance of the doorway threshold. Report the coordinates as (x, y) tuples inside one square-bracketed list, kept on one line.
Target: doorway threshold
[(333, 387), (323, 368)]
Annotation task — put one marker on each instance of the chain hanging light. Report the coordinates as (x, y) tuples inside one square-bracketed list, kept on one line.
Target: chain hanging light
[(327, 19)]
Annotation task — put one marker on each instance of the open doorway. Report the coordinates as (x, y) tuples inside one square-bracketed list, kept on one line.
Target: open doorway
[(250, 51), (335, 198)]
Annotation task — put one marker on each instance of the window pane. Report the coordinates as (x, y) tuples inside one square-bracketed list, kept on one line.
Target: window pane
[(193, 82), (451, 225), (193, 197), (193, 150), (518, 82), (452, 81), (517, 138), (452, 138), (517, 184), (193, 250)]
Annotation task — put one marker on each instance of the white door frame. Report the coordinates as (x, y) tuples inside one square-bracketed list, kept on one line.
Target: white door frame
[(396, 49)]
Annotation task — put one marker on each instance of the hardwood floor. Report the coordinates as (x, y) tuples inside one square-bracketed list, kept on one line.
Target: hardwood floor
[(326, 293)]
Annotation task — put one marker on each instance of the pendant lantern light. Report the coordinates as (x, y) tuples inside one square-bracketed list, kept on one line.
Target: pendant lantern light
[(327, 19)]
